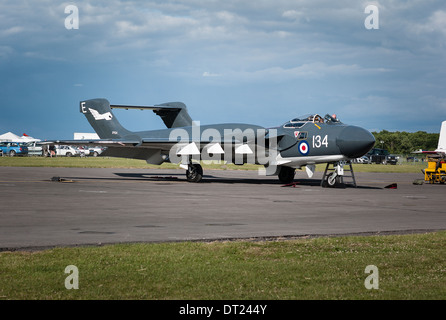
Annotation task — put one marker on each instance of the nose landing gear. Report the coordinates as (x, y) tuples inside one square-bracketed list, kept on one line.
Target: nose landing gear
[(336, 178)]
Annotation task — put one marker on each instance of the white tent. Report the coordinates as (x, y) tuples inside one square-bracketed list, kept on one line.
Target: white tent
[(11, 137), (27, 138), (85, 136)]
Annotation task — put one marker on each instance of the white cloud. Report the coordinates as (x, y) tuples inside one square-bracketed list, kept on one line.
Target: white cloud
[(314, 70), (435, 23), (293, 14), (210, 74), (12, 30), (152, 23)]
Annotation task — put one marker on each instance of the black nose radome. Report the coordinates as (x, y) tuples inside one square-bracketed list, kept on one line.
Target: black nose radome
[(355, 142)]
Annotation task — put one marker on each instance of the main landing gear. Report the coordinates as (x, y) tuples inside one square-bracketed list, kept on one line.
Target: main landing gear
[(194, 172), (286, 174)]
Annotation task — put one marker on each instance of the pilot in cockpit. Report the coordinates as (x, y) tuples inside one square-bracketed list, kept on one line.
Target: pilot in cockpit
[(318, 118)]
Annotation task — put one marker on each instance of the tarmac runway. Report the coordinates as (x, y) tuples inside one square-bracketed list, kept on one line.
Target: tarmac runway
[(101, 206)]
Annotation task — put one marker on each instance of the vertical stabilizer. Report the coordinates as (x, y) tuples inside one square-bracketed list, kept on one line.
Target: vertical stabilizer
[(102, 119), (442, 139)]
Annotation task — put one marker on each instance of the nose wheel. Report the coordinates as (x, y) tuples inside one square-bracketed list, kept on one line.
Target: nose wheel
[(333, 179)]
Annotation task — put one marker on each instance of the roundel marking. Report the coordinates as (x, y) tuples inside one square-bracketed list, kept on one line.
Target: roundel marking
[(304, 148)]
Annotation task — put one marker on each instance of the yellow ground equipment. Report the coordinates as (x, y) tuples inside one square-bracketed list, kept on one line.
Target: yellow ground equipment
[(436, 171)]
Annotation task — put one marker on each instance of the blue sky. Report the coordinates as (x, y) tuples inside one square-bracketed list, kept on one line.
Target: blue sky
[(260, 62)]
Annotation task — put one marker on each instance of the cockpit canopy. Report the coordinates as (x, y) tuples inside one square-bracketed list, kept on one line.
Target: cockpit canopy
[(311, 118)]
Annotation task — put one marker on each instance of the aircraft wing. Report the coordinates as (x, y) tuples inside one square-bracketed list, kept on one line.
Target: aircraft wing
[(164, 144), (122, 147), (94, 142), (437, 152), (425, 152), (153, 150)]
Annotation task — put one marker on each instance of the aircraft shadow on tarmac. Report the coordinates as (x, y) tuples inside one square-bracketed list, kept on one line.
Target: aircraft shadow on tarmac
[(272, 180), (209, 179)]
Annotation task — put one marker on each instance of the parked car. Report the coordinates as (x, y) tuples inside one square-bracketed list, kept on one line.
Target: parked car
[(412, 159), (83, 151), (34, 149), (13, 148), (95, 151), (68, 151), (391, 159), (377, 155)]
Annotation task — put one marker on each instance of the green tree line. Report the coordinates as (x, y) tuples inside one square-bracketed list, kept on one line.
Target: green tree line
[(405, 142)]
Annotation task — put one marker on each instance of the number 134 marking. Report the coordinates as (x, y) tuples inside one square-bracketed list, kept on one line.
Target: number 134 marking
[(318, 141)]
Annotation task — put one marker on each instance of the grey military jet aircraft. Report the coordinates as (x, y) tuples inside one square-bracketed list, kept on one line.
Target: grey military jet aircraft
[(303, 141)]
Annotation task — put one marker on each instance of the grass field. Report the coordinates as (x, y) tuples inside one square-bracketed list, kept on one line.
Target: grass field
[(410, 266)]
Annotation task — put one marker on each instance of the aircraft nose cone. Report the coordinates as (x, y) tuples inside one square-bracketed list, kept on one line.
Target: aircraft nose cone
[(355, 142)]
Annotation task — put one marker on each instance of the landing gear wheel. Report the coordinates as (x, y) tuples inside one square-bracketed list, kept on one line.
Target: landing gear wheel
[(286, 174), (194, 173), (332, 179)]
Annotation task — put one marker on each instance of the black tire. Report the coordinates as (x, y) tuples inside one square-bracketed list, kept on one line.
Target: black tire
[(12, 153), (68, 154), (286, 174), (194, 173)]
